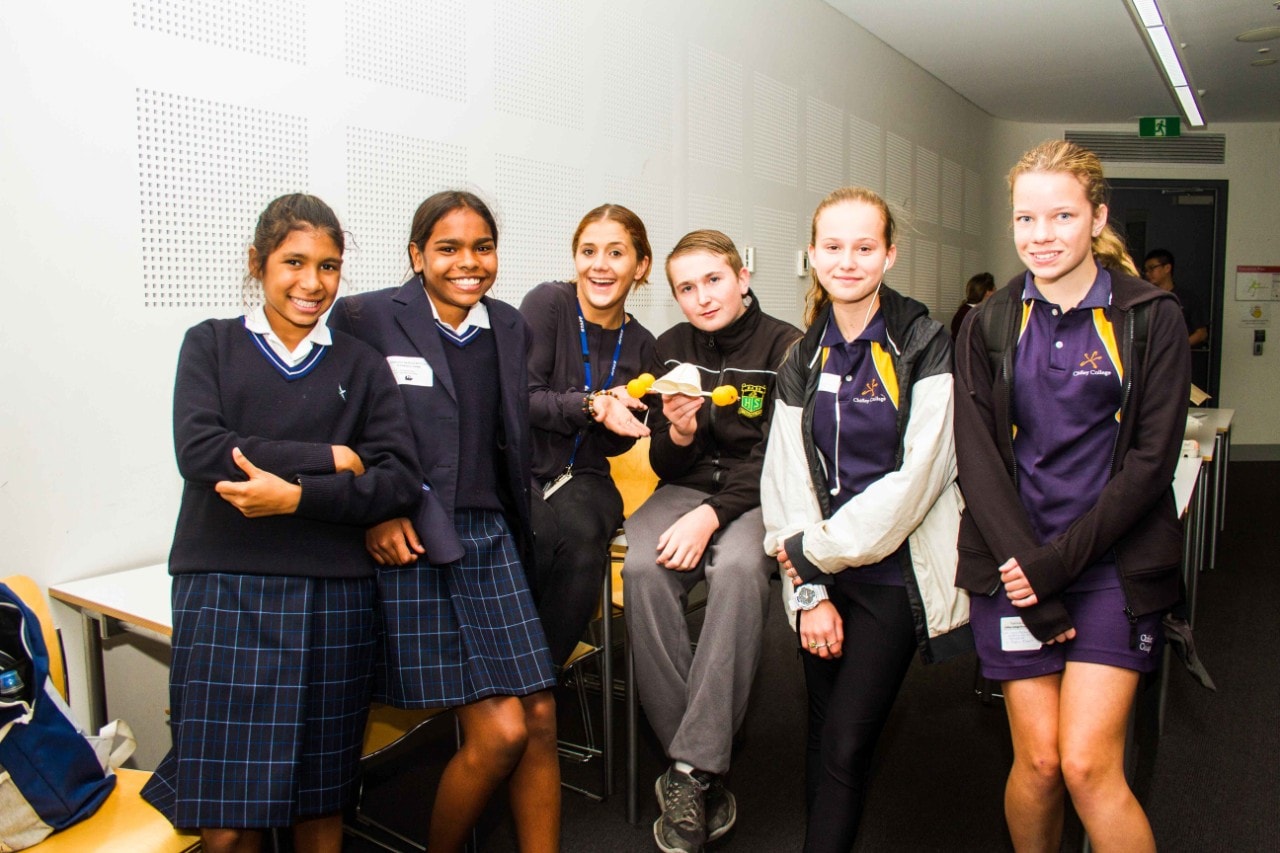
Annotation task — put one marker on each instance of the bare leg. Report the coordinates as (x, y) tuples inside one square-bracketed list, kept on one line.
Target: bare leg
[(1033, 803), (494, 737), (535, 784), (1095, 705), (318, 834), (231, 840)]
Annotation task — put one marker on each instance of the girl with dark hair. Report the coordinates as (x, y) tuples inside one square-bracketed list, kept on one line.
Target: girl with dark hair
[(976, 291), (290, 439), (860, 502), (1069, 419), (585, 350), (459, 626)]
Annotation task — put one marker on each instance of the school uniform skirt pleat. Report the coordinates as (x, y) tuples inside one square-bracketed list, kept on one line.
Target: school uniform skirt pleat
[(458, 633), (269, 688)]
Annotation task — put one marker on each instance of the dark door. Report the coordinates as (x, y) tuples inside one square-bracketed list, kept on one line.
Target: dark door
[(1188, 218)]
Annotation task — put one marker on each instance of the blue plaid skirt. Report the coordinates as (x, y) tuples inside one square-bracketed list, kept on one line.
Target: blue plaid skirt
[(270, 686), (458, 633)]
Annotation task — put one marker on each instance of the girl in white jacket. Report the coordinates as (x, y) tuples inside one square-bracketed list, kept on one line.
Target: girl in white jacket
[(860, 503)]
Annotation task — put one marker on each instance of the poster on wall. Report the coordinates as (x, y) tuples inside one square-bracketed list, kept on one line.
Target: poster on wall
[(1256, 315), (1257, 284)]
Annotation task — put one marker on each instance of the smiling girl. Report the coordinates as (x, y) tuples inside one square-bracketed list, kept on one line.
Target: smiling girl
[(1074, 381), (290, 440), (860, 502), (585, 349), (459, 626)]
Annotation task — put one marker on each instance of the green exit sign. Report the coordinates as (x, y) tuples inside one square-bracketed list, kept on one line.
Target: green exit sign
[(1160, 126)]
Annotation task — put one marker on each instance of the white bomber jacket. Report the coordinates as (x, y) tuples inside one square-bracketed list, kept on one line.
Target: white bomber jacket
[(919, 502)]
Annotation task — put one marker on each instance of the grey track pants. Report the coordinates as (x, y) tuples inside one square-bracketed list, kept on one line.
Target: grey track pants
[(695, 702)]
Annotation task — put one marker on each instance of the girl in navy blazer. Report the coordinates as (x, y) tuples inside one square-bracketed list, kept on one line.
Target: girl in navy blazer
[(460, 628)]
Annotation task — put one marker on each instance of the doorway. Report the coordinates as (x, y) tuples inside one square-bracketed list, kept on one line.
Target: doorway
[(1189, 219)]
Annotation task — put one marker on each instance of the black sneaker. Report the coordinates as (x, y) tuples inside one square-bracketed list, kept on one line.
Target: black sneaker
[(721, 808), (682, 827)]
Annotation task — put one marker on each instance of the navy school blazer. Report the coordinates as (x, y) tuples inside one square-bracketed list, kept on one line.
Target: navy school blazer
[(398, 321)]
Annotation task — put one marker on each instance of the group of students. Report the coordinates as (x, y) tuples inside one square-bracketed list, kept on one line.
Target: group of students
[(433, 534)]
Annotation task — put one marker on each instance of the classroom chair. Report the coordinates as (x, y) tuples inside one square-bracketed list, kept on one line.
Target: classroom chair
[(125, 823)]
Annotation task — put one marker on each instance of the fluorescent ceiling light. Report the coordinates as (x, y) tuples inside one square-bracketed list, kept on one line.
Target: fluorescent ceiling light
[(1153, 24), (1148, 12), (1168, 56), (1189, 108)]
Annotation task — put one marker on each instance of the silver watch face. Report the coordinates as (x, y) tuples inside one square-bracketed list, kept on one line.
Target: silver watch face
[(806, 598)]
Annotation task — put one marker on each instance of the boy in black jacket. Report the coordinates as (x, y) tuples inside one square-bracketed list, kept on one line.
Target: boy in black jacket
[(703, 523)]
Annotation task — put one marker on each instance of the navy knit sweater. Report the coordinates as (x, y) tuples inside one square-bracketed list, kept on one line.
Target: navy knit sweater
[(228, 394)]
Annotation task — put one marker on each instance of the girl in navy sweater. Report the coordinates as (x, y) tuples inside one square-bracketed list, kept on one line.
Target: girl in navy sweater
[(585, 349), (460, 628), (291, 440)]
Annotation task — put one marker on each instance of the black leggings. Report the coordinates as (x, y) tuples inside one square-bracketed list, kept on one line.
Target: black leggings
[(849, 702), (571, 537)]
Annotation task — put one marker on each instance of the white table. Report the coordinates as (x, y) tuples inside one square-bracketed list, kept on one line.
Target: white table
[(134, 600)]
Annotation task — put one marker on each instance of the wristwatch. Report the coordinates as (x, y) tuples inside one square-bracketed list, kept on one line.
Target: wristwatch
[(807, 596)]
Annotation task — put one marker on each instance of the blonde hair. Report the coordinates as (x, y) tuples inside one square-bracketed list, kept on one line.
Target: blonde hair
[(816, 299), (705, 240), (1058, 155)]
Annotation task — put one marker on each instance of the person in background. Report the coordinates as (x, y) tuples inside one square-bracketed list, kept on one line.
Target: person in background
[(976, 291), (1069, 422), (585, 350), (703, 523), (1157, 268), (459, 626), (860, 502), (290, 440)]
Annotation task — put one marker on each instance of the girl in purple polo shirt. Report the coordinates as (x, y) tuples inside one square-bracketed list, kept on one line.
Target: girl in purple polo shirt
[(859, 501), (1069, 417)]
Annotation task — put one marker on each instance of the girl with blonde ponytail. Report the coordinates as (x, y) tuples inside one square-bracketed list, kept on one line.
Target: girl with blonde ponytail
[(1070, 535)]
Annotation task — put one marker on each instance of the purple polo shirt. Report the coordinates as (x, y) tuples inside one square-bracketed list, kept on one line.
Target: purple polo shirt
[(1067, 389), (855, 424)]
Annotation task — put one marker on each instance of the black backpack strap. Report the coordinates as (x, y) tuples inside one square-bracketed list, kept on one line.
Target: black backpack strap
[(997, 316)]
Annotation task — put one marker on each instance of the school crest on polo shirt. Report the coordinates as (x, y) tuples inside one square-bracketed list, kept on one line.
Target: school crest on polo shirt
[(751, 403)]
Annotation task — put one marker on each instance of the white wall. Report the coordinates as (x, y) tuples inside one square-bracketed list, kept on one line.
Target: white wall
[(139, 139), (1248, 383)]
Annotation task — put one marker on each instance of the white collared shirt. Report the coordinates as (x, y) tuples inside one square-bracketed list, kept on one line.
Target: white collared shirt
[(256, 322), (478, 317)]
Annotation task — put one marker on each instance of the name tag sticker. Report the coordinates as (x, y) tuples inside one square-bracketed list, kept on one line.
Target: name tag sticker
[(1014, 636), (829, 382), (411, 370)]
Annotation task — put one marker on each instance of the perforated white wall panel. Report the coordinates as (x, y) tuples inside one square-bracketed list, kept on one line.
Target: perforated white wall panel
[(866, 163), (899, 278), (715, 126), (899, 154), (824, 146), (952, 194), (273, 28), (926, 186), (706, 211), (924, 265), (541, 204), (205, 172), (972, 202), (536, 54), (775, 235), (388, 176), (776, 125), (951, 279), (646, 86), (973, 265), (398, 43)]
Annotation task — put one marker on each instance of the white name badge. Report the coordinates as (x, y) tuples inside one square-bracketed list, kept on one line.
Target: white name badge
[(1014, 636), (829, 382), (411, 370)]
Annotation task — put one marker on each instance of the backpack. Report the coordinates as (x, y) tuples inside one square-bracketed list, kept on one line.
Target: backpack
[(999, 314), (51, 774)]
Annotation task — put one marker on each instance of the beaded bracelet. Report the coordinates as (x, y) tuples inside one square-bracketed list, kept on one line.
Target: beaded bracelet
[(589, 404)]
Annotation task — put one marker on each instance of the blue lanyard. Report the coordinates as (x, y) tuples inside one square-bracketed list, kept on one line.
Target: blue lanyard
[(586, 369)]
